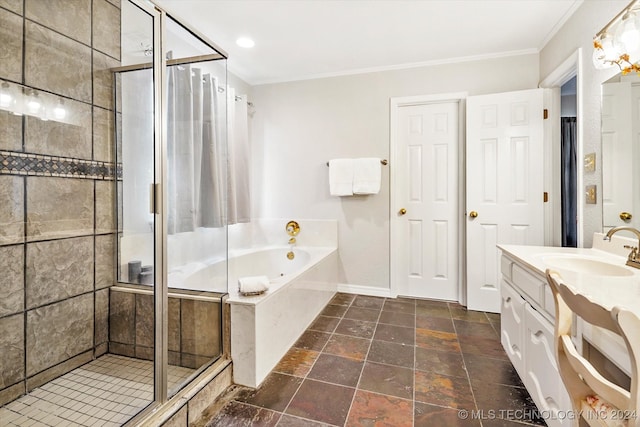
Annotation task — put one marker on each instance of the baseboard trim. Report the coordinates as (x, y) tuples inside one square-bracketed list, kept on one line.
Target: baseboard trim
[(365, 290)]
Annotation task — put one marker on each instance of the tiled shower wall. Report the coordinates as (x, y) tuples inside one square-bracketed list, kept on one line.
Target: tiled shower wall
[(194, 326), (56, 190)]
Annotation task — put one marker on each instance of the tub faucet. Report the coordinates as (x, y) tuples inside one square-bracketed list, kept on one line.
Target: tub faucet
[(633, 260)]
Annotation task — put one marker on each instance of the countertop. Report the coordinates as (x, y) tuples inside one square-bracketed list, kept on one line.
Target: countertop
[(608, 291)]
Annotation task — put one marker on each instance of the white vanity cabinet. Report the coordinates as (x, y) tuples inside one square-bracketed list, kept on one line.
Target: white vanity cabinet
[(527, 337)]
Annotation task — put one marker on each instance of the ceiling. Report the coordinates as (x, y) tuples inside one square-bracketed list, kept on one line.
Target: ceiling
[(302, 39)]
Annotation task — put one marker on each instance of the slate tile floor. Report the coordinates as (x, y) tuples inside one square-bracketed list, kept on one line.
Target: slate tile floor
[(368, 361)]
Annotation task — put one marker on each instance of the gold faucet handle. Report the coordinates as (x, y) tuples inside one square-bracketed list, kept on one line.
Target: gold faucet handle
[(634, 251)]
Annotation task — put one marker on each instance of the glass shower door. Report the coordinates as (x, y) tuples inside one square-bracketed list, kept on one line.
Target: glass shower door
[(196, 167), (132, 317), (166, 312)]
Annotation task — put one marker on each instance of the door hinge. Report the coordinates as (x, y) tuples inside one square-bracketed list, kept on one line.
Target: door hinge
[(545, 114), (545, 197)]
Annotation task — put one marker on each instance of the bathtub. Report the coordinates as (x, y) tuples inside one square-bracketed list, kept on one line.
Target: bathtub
[(264, 327), (268, 261)]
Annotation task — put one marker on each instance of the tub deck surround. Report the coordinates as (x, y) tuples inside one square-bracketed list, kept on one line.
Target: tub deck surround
[(608, 291), (264, 327)]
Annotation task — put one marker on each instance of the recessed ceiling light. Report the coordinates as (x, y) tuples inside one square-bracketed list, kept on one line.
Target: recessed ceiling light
[(245, 42)]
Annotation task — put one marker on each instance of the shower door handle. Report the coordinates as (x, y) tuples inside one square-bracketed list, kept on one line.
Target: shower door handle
[(154, 191)]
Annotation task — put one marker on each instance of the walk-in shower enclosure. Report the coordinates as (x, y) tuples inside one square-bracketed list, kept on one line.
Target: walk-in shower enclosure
[(170, 121), (113, 184)]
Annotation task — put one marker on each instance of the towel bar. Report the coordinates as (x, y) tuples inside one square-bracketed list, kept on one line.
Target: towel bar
[(383, 161)]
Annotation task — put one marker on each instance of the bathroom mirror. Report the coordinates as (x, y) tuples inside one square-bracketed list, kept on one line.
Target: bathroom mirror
[(621, 151)]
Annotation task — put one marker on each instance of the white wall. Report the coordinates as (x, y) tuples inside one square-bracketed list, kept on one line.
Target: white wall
[(578, 32), (299, 126)]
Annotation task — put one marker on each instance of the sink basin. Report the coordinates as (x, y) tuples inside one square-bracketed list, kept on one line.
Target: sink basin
[(586, 265)]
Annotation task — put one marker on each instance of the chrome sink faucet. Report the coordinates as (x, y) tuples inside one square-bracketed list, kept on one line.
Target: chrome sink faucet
[(633, 260)]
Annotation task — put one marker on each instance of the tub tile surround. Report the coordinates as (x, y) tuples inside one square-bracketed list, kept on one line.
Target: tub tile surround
[(56, 221), (271, 232)]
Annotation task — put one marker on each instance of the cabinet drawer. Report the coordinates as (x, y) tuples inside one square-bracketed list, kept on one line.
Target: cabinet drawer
[(505, 267), (542, 378), (531, 285), (512, 325)]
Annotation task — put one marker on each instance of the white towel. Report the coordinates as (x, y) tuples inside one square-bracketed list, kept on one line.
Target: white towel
[(341, 177), (367, 174), (253, 284)]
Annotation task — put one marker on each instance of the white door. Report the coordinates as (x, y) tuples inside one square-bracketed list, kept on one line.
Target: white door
[(617, 154), (425, 206), (504, 194)]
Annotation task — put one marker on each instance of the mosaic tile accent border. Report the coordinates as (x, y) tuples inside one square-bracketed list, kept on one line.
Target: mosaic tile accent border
[(13, 163)]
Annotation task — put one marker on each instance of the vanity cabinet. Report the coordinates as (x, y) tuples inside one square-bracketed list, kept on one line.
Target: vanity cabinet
[(527, 337)]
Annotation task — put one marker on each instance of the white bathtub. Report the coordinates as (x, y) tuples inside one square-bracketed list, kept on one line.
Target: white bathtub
[(264, 327), (269, 261)]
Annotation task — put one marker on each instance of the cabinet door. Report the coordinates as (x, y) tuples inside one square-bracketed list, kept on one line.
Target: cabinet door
[(512, 325), (542, 378)]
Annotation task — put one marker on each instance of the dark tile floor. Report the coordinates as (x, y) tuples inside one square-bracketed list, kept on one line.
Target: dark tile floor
[(368, 361)]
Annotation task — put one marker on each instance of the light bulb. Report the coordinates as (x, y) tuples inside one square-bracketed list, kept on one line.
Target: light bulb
[(33, 103), (5, 100), (627, 33), (5, 96), (59, 112), (609, 52)]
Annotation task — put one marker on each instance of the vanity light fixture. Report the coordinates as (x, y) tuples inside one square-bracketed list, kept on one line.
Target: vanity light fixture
[(618, 43), (24, 100), (245, 42)]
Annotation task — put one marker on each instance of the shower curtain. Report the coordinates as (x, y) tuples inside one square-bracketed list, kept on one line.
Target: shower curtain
[(568, 182), (239, 180), (197, 153)]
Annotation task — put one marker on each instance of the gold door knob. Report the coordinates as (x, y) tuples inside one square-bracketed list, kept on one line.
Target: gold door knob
[(473, 214), (625, 216), (402, 211)]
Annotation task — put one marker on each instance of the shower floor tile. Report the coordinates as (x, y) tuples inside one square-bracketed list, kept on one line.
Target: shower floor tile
[(105, 392)]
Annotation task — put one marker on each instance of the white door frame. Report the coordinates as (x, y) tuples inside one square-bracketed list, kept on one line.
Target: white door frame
[(569, 68), (394, 237)]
